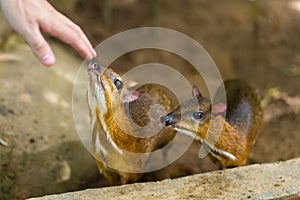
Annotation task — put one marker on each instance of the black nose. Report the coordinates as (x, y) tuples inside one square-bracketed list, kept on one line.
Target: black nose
[(167, 120), (93, 65)]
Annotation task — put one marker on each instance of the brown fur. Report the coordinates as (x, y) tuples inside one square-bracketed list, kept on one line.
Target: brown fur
[(115, 116), (241, 124)]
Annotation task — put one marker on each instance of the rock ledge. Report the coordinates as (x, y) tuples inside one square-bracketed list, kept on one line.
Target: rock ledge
[(265, 181)]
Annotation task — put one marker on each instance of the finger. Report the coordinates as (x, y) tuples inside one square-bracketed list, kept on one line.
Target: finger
[(40, 47), (70, 33)]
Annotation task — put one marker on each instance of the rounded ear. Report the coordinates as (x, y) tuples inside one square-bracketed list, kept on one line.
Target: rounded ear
[(218, 108), (196, 92), (131, 96)]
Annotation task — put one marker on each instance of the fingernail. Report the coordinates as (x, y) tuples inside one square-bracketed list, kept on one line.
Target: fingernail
[(89, 57), (48, 59), (94, 53)]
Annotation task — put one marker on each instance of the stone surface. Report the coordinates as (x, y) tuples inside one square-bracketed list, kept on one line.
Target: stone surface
[(266, 181)]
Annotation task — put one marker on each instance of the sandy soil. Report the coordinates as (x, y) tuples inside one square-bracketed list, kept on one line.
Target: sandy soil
[(265, 51)]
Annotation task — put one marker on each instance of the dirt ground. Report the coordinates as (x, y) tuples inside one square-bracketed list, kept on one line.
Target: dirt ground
[(261, 46)]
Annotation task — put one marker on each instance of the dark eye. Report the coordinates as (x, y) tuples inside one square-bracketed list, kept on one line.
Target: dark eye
[(118, 84), (199, 115)]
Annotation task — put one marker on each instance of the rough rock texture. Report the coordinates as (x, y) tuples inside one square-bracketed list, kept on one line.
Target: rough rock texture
[(266, 181)]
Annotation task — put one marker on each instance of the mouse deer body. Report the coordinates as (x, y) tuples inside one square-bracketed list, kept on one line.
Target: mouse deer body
[(241, 126), (115, 112)]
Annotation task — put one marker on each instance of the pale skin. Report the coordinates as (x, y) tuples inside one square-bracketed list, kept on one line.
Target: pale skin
[(31, 18)]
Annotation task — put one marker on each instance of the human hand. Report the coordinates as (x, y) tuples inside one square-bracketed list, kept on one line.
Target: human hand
[(32, 17)]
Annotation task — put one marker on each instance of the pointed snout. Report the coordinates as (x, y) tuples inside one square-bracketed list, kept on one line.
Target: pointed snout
[(167, 120), (94, 66)]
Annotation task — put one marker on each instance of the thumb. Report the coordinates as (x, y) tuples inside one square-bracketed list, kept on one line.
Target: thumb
[(40, 48)]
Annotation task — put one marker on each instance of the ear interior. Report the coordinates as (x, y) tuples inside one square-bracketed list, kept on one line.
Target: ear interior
[(196, 92), (131, 96), (218, 108)]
